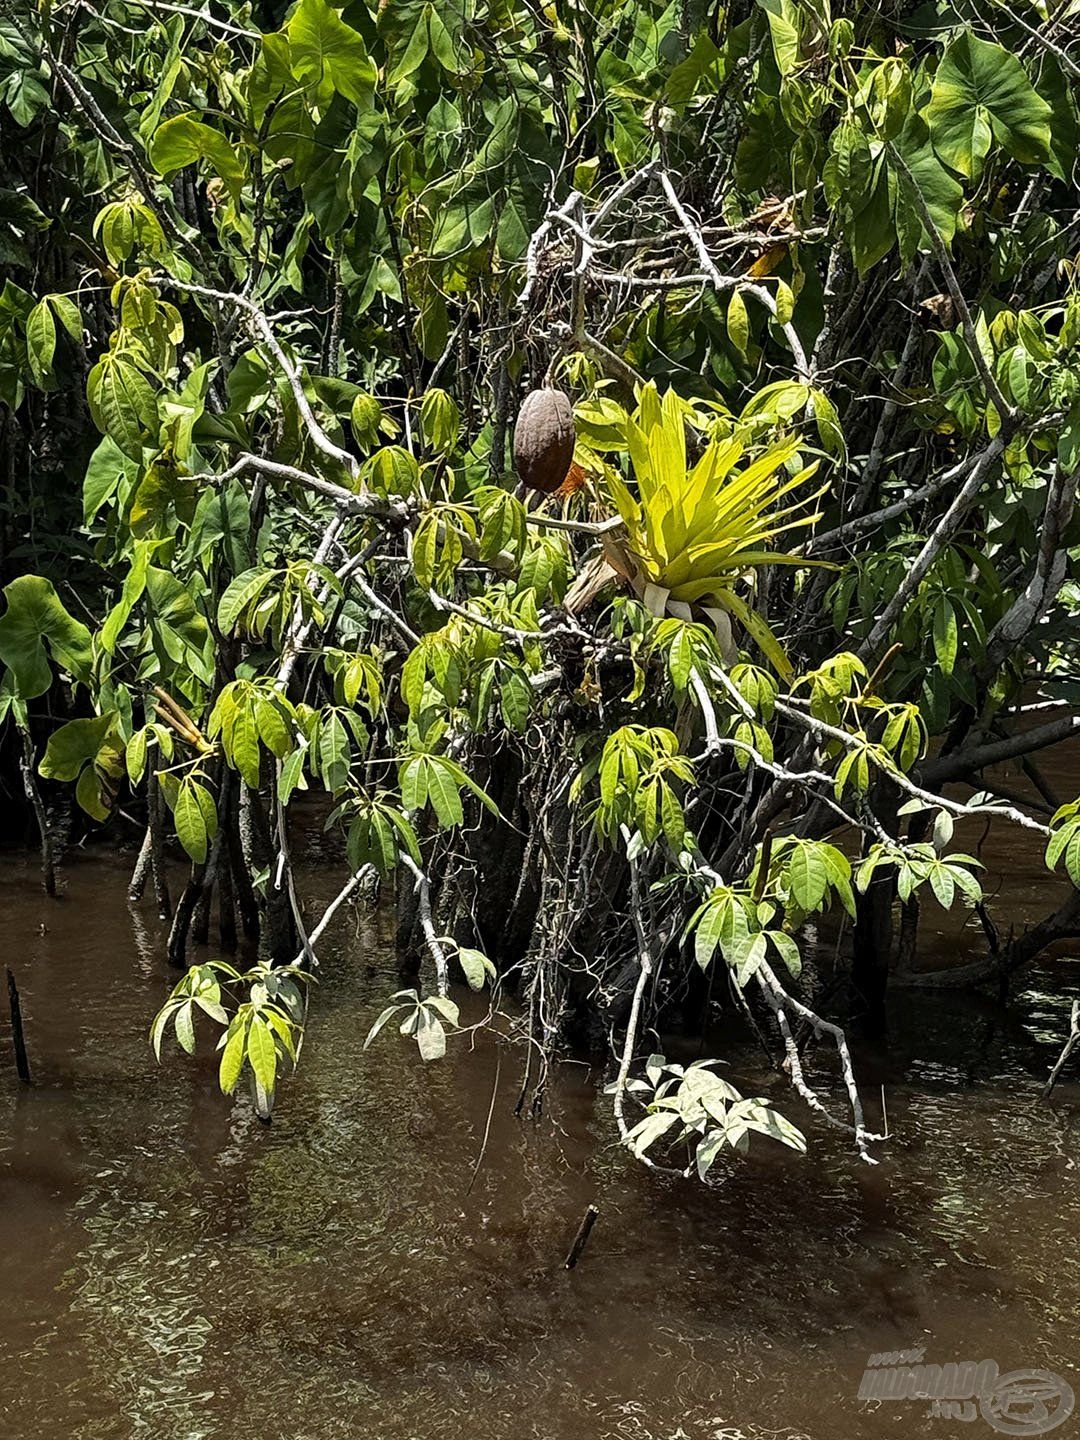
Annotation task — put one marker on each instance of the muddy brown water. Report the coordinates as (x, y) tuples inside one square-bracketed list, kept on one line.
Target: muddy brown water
[(170, 1268)]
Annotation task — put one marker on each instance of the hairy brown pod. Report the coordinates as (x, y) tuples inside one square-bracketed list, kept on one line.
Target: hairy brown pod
[(544, 440)]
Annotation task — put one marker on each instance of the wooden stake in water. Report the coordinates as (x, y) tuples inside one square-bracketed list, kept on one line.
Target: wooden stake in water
[(22, 1065), (581, 1239)]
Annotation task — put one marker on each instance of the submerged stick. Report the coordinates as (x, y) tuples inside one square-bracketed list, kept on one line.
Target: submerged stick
[(18, 1039), (581, 1239), (33, 794), (156, 806), (1070, 1045)]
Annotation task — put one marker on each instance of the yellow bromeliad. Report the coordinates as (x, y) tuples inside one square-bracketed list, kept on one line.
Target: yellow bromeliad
[(694, 533)]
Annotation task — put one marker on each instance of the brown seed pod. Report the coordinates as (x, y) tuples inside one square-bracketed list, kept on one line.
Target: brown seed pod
[(544, 440)]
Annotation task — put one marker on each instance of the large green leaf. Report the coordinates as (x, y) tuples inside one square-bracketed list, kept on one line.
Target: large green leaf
[(185, 141), (981, 94), (1064, 128), (179, 628), (40, 341), (942, 194), (35, 615), (108, 466), (73, 745), (330, 54), (262, 1056)]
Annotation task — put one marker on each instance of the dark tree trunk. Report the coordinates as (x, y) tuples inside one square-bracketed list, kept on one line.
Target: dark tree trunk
[(872, 950)]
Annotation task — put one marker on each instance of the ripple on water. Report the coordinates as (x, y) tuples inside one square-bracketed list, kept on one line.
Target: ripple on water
[(173, 1269)]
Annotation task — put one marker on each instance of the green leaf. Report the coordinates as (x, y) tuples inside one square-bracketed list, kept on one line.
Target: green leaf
[(830, 431), (430, 1036), (239, 594), (387, 1014), (750, 959), (291, 776), (134, 585), (392, 471), (244, 744), (180, 631), (515, 698), (646, 1131), (946, 635), (335, 753), (116, 226), (412, 781), (942, 194), (710, 930), (40, 341), (75, 745), (440, 420), (273, 727), (329, 54), (157, 1030), (443, 793), (475, 965), (89, 794), (738, 323), (1064, 129), (981, 92), (943, 886), (787, 950), (122, 404), (34, 616), (707, 1151), (184, 140), (808, 877), (191, 823), (135, 756), (444, 1006), (184, 1027), (783, 19), (232, 1056), (871, 233), (262, 1055), (108, 466)]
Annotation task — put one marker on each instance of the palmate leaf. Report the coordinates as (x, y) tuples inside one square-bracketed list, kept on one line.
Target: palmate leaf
[(122, 404)]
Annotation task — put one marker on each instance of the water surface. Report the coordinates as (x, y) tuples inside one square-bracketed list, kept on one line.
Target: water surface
[(170, 1268)]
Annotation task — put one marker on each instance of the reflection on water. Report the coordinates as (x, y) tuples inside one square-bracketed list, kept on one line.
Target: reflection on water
[(171, 1268)]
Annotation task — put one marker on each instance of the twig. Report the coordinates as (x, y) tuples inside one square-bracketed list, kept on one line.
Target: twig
[(33, 794), (943, 532), (581, 1239), (779, 1000), (223, 25), (487, 1123), (899, 779), (1069, 1046), (262, 327), (423, 896), (18, 1039)]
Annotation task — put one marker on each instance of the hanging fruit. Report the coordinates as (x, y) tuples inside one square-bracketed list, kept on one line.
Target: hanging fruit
[(544, 440)]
